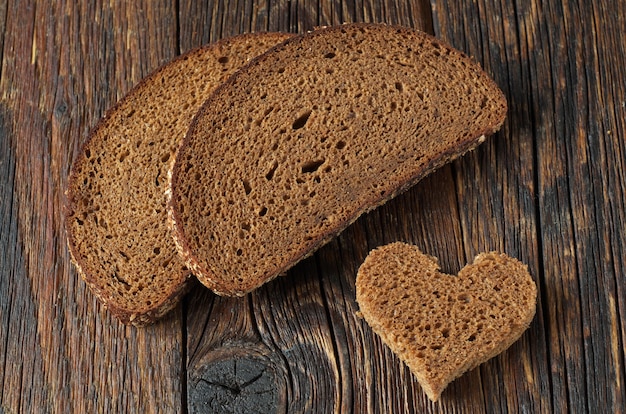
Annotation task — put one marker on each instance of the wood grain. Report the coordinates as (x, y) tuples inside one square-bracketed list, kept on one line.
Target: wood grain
[(549, 189), (63, 65)]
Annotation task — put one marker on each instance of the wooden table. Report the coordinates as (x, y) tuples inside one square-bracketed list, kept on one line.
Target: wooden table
[(549, 189)]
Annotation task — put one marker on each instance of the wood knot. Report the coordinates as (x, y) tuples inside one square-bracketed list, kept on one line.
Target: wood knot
[(235, 385)]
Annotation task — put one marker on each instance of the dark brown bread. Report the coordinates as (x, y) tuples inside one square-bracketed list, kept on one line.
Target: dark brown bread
[(116, 218), (310, 135), (442, 325)]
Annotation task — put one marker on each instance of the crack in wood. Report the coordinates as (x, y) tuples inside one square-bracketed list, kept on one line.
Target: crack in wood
[(238, 384), (238, 388)]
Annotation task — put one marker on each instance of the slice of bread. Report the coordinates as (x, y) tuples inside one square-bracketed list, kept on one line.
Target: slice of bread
[(442, 325), (310, 135), (115, 215)]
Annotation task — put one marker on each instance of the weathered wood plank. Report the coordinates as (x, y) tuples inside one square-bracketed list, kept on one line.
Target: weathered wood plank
[(289, 327), (496, 189), (556, 133), (64, 63)]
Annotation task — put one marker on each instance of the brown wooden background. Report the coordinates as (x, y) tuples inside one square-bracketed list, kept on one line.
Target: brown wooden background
[(549, 189)]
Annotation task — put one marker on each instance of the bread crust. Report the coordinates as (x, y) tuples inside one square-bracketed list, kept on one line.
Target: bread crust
[(199, 263), (174, 289)]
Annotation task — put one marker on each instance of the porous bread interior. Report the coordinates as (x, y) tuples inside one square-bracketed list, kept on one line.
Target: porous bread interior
[(311, 135), (442, 325), (116, 214)]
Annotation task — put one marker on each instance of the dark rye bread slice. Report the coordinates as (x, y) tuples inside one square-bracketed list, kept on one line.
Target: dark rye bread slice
[(313, 133), (442, 325), (116, 218)]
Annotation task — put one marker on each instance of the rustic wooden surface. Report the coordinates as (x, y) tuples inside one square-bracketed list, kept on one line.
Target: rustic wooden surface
[(549, 189)]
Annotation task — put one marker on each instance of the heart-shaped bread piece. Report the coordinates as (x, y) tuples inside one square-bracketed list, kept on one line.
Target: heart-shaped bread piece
[(442, 325)]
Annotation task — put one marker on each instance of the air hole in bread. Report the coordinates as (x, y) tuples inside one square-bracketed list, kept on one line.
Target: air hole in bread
[(464, 298), (120, 279), (262, 211), (123, 155), (312, 166), (223, 60), (239, 252), (165, 157), (156, 250), (329, 55), (445, 332), (301, 121), (270, 173), (246, 187), (340, 144), (471, 338)]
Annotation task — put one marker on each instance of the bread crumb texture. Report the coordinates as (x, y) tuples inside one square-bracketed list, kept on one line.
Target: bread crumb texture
[(312, 134), (442, 325), (116, 215)]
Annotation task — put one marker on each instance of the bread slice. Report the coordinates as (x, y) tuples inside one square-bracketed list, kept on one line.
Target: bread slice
[(115, 214), (310, 135), (442, 325)]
